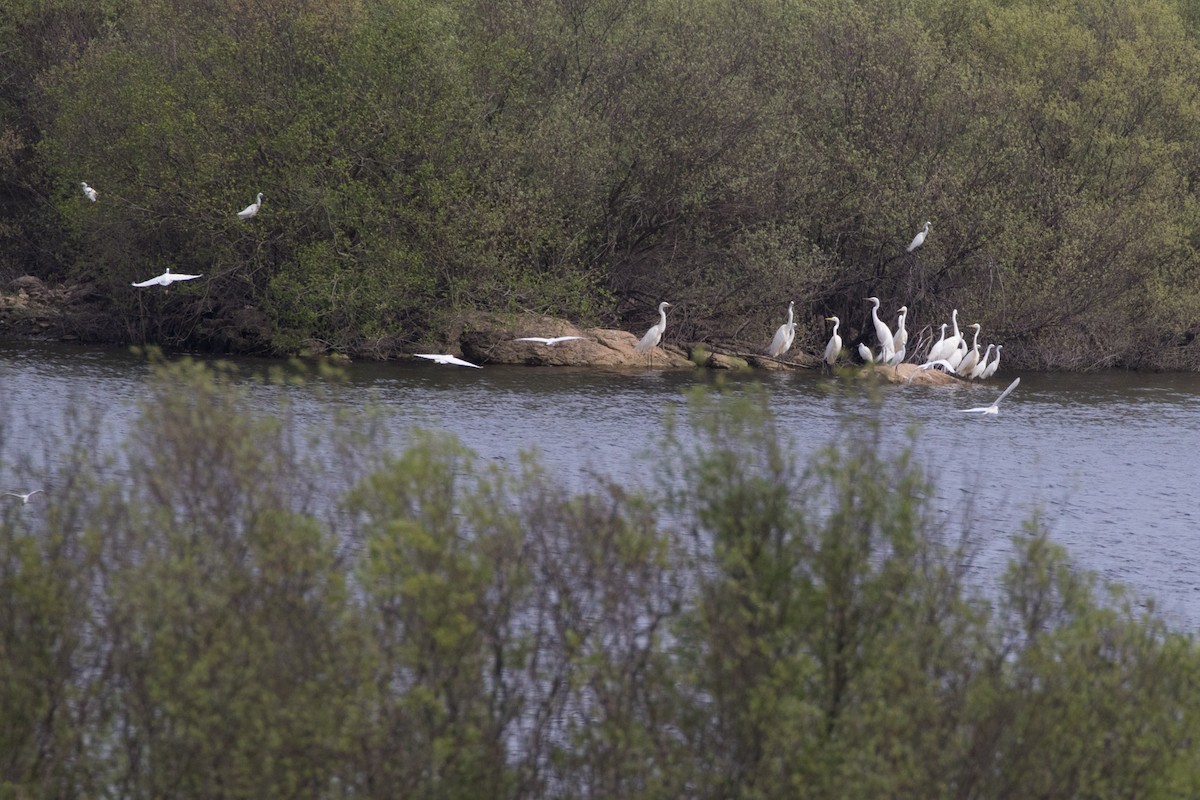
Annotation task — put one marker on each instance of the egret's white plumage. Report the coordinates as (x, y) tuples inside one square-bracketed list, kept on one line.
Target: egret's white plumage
[(252, 209), (919, 239), (882, 331), (834, 348), (447, 359), (89, 192), (864, 353), (549, 342), (977, 372), (994, 408), (24, 496), (943, 363), (784, 335), (900, 337), (991, 368), (653, 336), (166, 279), (935, 352), (971, 357)]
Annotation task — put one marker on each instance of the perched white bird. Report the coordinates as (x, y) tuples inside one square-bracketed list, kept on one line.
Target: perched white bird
[(167, 278), (252, 209), (935, 352), (784, 336), (445, 359), (977, 373), (955, 339), (994, 408), (864, 353), (24, 495), (990, 369), (655, 334), (882, 331), (89, 192), (548, 342), (834, 348), (900, 338), (971, 357), (943, 363), (919, 239)]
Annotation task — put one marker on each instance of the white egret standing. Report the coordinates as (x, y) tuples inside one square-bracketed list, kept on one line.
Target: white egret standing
[(971, 357), (935, 352), (919, 239), (447, 359), (882, 331), (24, 496), (834, 348), (550, 342), (89, 192), (982, 365), (900, 338), (990, 369), (784, 336), (994, 408), (166, 279), (252, 209), (655, 334), (864, 353)]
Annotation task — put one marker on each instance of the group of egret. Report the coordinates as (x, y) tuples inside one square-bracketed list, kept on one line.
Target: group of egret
[(167, 278)]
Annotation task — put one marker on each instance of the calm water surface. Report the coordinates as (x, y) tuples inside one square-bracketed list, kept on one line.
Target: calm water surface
[(1110, 460)]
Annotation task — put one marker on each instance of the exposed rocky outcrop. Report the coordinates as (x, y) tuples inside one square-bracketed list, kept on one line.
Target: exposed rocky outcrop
[(491, 339), (31, 309)]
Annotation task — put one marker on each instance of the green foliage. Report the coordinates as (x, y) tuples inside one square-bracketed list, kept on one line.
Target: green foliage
[(208, 612)]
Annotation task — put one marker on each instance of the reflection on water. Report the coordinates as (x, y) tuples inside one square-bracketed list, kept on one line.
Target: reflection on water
[(1108, 459)]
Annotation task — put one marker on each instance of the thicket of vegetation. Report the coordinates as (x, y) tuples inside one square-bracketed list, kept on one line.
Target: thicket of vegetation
[(590, 157), (212, 618)]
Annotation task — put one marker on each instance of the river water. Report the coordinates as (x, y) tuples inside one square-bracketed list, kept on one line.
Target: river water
[(1109, 461)]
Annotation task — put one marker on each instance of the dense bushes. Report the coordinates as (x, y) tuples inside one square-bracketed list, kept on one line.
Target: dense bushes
[(591, 158), (214, 610)]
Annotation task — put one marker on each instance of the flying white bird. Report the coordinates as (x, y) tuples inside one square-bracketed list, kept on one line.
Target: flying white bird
[(89, 192), (167, 278), (784, 336), (24, 495), (943, 363), (548, 342), (919, 239), (252, 209), (834, 348), (994, 408), (446, 359)]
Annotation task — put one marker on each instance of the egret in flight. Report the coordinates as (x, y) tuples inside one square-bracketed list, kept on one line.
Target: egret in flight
[(24, 495), (447, 359), (89, 192), (834, 348), (919, 239), (252, 209), (167, 278), (549, 342), (655, 334), (784, 336), (994, 408)]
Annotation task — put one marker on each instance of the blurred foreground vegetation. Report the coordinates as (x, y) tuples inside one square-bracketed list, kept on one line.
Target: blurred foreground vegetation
[(222, 616), (424, 158)]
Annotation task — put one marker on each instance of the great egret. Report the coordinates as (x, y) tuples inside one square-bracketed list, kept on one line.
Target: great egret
[(655, 334), (24, 495), (834, 348), (864, 353), (446, 359), (982, 365), (994, 408), (89, 192), (900, 338), (784, 336), (943, 363), (919, 239), (252, 209), (548, 342), (935, 352), (166, 279), (990, 369), (971, 357), (951, 344), (882, 331)]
